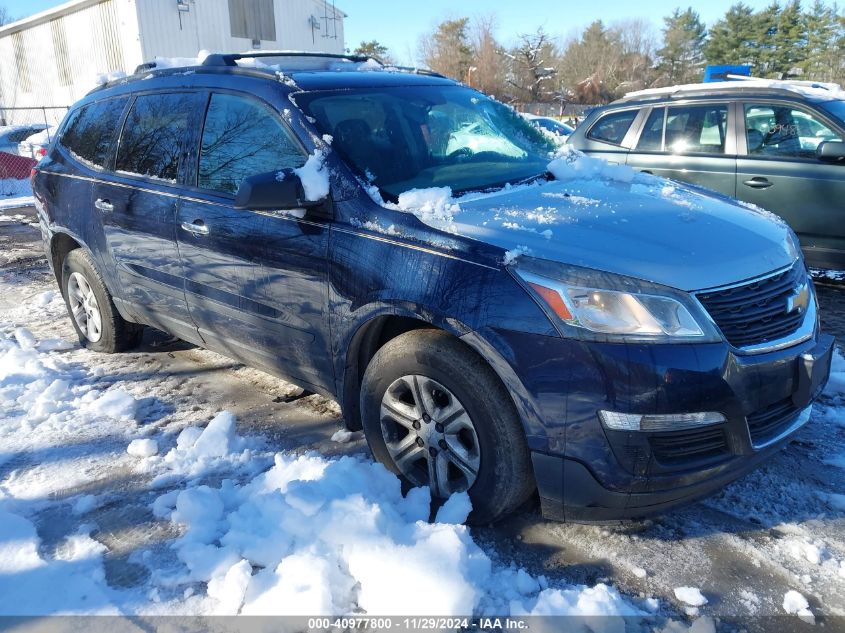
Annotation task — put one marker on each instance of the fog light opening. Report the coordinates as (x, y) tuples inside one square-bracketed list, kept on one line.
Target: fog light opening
[(616, 421)]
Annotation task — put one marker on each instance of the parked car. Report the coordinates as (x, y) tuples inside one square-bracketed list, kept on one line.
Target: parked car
[(583, 336), (12, 135), (35, 145), (558, 132), (778, 145)]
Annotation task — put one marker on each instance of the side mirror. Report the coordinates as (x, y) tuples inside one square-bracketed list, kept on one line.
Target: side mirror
[(831, 151), (275, 190)]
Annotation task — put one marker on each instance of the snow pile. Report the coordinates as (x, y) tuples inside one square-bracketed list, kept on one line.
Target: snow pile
[(319, 536), (314, 176), (199, 452), (570, 164), (691, 596), (796, 604), (433, 206), (143, 448)]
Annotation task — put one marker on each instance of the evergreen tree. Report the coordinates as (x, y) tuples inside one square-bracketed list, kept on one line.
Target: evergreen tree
[(824, 43), (789, 42), (681, 58), (374, 49), (448, 50), (732, 38)]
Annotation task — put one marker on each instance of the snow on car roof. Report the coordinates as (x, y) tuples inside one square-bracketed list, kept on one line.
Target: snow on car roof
[(817, 90)]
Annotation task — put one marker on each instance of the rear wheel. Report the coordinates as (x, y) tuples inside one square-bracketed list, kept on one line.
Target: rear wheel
[(435, 413), (97, 322)]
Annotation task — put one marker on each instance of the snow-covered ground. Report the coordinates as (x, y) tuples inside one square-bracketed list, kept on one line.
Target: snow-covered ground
[(170, 480)]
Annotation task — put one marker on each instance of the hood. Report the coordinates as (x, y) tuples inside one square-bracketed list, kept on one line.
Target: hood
[(650, 228)]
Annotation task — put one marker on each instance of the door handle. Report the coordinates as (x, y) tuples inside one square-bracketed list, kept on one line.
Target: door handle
[(758, 182), (197, 227), (103, 205)]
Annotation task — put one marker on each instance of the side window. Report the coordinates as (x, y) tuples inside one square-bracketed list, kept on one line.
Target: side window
[(151, 142), (699, 129), (613, 127), (784, 131), (651, 139), (242, 138), (89, 134)]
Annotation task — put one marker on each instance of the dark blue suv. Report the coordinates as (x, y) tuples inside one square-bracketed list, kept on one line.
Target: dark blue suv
[(496, 321)]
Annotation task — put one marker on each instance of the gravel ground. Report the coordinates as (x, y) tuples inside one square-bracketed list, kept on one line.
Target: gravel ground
[(769, 533)]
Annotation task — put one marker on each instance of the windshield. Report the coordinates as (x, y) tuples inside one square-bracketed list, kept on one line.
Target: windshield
[(429, 136), (837, 109)]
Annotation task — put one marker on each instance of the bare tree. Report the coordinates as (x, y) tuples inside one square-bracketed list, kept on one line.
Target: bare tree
[(5, 16), (488, 58), (534, 65)]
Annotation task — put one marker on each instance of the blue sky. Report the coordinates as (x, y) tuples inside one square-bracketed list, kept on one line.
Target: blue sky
[(399, 24)]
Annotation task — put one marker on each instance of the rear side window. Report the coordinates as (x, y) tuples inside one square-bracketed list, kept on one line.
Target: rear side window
[(613, 127), (155, 128), (243, 138), (696, 129), (89, 134)]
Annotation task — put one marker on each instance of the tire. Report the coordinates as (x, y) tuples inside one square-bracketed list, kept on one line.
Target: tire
[(97, 322), (432, 367)]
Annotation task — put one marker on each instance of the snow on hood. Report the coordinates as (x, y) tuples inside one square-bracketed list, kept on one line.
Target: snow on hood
[(612, 218)]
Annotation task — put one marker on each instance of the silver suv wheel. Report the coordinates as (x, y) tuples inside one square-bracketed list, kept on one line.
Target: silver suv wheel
[(84, 307), (429, 435)]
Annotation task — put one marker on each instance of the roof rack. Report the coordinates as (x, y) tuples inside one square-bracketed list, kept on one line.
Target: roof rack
[(740, 83), (231, 59)]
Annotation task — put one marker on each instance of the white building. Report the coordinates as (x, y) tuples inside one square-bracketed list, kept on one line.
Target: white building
[(53, 58)]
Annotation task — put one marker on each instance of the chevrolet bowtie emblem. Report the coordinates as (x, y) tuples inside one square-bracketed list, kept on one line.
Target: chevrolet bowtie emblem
[(799, 301)]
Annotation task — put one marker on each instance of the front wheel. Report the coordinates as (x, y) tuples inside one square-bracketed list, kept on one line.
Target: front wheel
[(435, 413)]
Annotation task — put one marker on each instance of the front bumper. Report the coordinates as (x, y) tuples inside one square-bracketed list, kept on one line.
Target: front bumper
[(587, 473)]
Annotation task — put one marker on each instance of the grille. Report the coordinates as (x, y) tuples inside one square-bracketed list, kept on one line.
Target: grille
[(696, 444), (756, 312), (767, 423)]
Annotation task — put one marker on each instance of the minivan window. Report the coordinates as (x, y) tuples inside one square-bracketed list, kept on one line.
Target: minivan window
[(784, 131), (835, 108), (430, 136), (22, 135), (89, 133), (613, 127), (155, 128), (699, 129), (242, 138)]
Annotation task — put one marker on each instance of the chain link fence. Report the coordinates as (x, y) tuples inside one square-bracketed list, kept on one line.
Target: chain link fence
[(25, 134)]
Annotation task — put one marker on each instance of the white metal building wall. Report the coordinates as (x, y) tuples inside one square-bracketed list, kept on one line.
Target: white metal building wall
[(56, 61), (167, 32)]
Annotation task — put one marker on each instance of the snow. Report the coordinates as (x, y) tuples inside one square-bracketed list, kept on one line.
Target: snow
[(512, 255), (691, 596), (314, 176), (796, 604), (570, 164), (810, 89), (143, 448), (262, 533), (433, 206)]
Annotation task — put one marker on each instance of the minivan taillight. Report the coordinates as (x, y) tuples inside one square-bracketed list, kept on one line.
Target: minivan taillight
[(41, 153), (32, 173)]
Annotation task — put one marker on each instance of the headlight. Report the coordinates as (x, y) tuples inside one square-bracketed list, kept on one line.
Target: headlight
[(618, 307)]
